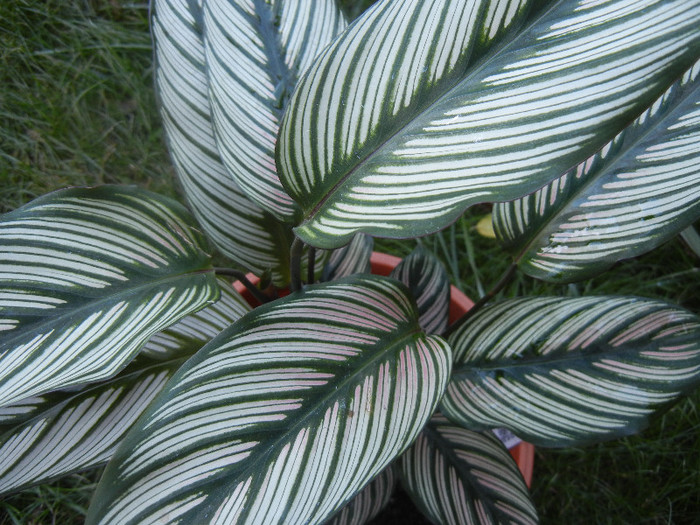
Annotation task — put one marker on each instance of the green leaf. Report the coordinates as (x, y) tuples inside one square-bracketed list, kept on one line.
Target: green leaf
[(244, 232), (80, 432), (422, 108), (87, 276), (460, 476), (569, 371), (425, 276), (254, 54), (284, 416), (639, 191), (188, 335), (369, 501), (350, 259), (692, 239)]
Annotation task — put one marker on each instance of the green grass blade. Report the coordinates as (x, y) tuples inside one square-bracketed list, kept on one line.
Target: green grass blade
[(87, 276)]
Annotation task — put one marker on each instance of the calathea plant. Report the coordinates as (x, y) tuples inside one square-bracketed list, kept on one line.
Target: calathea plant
[(296, 139)]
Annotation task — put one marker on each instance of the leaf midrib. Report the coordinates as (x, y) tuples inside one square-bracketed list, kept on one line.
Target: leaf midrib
[(414, 114)]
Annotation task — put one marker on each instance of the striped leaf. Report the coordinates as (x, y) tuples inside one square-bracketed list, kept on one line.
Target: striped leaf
[(567, 371), (425, 276), (254, 54), (350, 259), (370, 500), (284, 416), (80, 432), (87, 276), (188, 335), (422, 108), (245, 233), (640, 190), (460, 476)]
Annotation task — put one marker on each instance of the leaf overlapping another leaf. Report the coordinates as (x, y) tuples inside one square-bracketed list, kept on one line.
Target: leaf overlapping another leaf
[(286, 415), (568, 371), (88, 275), (399, 143), (637, 192), (460, 476), (240, 229), (254, 54)]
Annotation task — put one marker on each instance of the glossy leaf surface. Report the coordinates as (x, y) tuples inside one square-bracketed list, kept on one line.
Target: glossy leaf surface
[(80, 432), (88, 276), (568, 371), (640, 190), (245, 233), (286, 415), (460, 476), (422, 108), (254, 53)]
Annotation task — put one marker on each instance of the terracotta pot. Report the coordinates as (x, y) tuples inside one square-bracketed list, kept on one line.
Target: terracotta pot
[(383, 264)]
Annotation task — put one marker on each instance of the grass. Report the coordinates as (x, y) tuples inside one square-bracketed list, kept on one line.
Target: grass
[(77, 107)]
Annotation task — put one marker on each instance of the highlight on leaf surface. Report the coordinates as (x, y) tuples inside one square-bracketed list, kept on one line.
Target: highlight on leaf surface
[(286, 415), (89, 275), (421, 109), (639, 191), (570, 371), (460, 476)]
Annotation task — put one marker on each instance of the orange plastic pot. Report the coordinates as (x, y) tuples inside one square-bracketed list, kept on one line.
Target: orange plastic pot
[(383, 264)]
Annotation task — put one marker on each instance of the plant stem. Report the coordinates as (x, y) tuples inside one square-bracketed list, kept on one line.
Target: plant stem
[(505, 279), (241, 276), (295, 264), (311, 270)]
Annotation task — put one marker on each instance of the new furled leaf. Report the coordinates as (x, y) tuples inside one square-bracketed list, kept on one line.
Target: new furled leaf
[(88, 276), (640, 190), (244, 232), (460, 476), (421, 109), (568, 371), (255, 52), (284, 416)]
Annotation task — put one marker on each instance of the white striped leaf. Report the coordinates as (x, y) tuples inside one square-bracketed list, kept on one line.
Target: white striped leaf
[(284, 416), (567, 371), (350, 259), (640, 190), (370, 500), (414, 113), (80, 432), (255, 52), (245, 233), (87, 276), (456, 475), (425, 276), (188, 335)]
